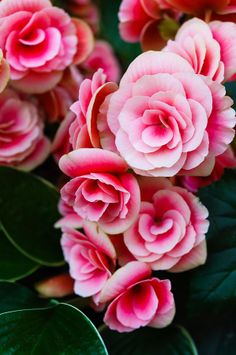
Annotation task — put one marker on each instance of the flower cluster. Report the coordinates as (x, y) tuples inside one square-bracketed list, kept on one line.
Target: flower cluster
[(129, 149), (135, 153), (134, 150)]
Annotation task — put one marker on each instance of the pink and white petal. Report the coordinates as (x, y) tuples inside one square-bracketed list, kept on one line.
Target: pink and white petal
[(125, 314), (196, 257), (120, 225), (85, 160), (93, 110), (71, 220), (89, 287), (38, 156), (110, 319), (151, 62), (7, 8), (164, 319), (144, 302), (35, 83), (124, 277), (101, 240), (223, 32), (166, 262), (204, 169), (85, 40)]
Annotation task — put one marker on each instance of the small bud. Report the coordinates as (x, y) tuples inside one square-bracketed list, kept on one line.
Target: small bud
[(56, 286)]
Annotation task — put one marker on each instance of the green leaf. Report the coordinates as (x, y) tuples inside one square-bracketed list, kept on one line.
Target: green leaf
[(212, 287), (13, 264), (61, 329), (220, 199), (28, 211), (173, 340), (14, 297)]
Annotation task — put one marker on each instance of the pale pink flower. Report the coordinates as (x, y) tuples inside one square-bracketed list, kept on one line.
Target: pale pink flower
[(39, 41), (168, 119), (136, 299), (169, 233), (22, 143), (195, 43), (91, 258), (4, 72), (101, 190), (209, 48), (223, 161), (103, 57)]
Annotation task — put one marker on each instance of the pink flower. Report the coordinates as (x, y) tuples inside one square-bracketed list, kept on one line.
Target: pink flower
[(4, 72), (169, 233), (84, 130), (103, 57), (91, 257), (39, 41), (223, 161), (101, 190), (137, 300), (210, 49), (140, 21), (22, 143), (168, 119)]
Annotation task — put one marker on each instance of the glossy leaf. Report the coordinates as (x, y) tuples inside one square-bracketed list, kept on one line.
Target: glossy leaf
[(14, 297), (13, 264), (169, 341), (28, 211), (61, 329)]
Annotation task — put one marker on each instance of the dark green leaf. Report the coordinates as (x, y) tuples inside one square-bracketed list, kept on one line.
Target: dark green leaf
[(14, 297), (220, 199), (13, 264), (169, 341), (61, 329), (28, 211), (212, 287)]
